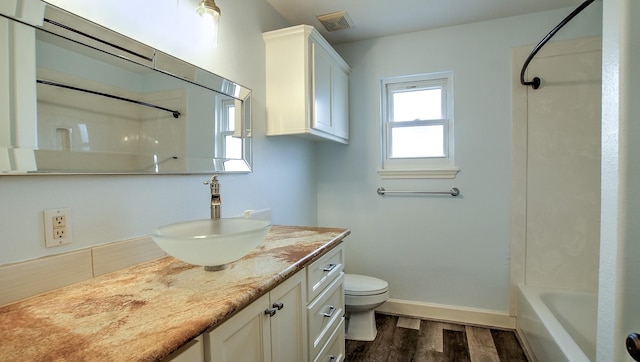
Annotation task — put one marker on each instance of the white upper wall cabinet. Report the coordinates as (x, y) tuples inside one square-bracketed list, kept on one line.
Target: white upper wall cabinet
[(307, 85)]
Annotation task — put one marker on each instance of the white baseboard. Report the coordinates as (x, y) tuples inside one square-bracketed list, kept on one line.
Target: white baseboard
[(448, 313)]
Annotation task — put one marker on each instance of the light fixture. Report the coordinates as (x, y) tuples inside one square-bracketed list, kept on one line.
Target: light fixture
[(211, 12)]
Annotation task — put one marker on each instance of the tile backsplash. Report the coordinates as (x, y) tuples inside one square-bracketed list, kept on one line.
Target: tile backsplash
[(26, 279)]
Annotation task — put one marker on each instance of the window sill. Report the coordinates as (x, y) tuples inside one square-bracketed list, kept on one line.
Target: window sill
[(419, 174)]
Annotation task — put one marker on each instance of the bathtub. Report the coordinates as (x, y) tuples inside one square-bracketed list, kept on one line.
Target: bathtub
[(557, 325)]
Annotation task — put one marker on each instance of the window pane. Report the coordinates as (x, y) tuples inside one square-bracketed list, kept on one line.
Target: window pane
[(233, 147), (419, 141), (424, 104), (231, 116)]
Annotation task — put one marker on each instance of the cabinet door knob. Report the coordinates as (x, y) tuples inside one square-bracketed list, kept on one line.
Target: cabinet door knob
[(270, 311), (332, 310), (278, 306), (330, 267), (633, 346)]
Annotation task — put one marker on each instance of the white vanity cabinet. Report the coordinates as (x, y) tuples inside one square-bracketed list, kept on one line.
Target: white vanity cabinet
[(307, 85), (300, 320), (273, 328)]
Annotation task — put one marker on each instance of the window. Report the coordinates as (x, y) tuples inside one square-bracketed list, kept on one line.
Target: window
[(231, 143), (417, 126), (228, 144)]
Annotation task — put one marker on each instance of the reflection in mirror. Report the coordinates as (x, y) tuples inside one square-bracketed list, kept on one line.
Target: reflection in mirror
[(117, 106)]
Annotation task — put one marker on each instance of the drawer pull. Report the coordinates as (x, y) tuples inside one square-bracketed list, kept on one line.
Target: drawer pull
[(278, 306), (333, 358), (270, 311), (330, 267), (332, 310)]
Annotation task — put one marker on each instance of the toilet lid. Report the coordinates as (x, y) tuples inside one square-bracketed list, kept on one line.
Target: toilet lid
[(355, 284)]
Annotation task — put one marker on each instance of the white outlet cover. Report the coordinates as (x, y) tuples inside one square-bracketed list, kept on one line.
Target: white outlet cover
[(49, 239)]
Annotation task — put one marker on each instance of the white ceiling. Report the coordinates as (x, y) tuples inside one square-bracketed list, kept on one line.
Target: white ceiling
[(375, 18)]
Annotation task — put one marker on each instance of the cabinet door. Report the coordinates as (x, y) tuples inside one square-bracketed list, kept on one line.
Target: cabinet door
[(321, 97), (340, 103), (191, 352), (244, 337), (289, 324)]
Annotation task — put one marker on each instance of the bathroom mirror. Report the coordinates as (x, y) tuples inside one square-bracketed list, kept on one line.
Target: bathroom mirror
[(108, 104)]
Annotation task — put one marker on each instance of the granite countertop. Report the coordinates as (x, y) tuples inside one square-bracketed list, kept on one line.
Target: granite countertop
[(145, 312)]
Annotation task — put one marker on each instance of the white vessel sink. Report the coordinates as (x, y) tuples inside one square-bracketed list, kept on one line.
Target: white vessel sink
[(211, 242)]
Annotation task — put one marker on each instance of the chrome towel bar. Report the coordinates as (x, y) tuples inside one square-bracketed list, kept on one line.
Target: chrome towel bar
[(453, 192)]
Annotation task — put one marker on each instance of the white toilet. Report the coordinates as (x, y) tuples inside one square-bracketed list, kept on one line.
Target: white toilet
[(362, 294)]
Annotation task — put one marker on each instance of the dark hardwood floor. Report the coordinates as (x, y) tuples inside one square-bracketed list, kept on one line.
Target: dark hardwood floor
[(405, 339)]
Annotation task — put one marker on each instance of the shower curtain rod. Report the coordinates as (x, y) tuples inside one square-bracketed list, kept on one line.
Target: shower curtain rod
[(175, 114), (535, 83)]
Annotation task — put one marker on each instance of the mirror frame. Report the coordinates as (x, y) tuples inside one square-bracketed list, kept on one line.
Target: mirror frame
[(79, 30)]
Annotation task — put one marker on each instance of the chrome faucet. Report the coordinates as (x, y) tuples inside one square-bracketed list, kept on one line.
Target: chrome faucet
[(216, 202)]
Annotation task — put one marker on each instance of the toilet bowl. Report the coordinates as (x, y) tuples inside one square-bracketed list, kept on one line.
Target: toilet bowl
[(362, 294)]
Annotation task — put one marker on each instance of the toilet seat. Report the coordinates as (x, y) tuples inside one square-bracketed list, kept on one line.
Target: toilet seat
[(362, 285)]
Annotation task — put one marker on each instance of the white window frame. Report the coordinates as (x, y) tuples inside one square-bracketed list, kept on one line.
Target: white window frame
[(417, 167), (222, 126)]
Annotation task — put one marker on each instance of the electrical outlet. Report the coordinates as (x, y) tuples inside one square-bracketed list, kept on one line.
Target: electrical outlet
[(59, 233), (59, 221), (57, 227)]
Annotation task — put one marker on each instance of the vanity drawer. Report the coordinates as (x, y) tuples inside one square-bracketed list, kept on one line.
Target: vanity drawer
[(334, 351), (322, 271), (324, 314)]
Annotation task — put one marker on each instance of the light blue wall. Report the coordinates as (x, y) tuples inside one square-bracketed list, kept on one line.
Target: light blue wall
[(444, 250), (111, 208), (430, 249)]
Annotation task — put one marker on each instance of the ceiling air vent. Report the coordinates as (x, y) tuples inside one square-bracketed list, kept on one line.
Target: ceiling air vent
[(336, 21)]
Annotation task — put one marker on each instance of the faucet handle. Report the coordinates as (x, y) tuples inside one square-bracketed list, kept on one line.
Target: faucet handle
[(215, 186), (213, 179)]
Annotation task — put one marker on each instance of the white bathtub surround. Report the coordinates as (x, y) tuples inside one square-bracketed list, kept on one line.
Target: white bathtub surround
[(555, 222), (556, 168), (557, 325)]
